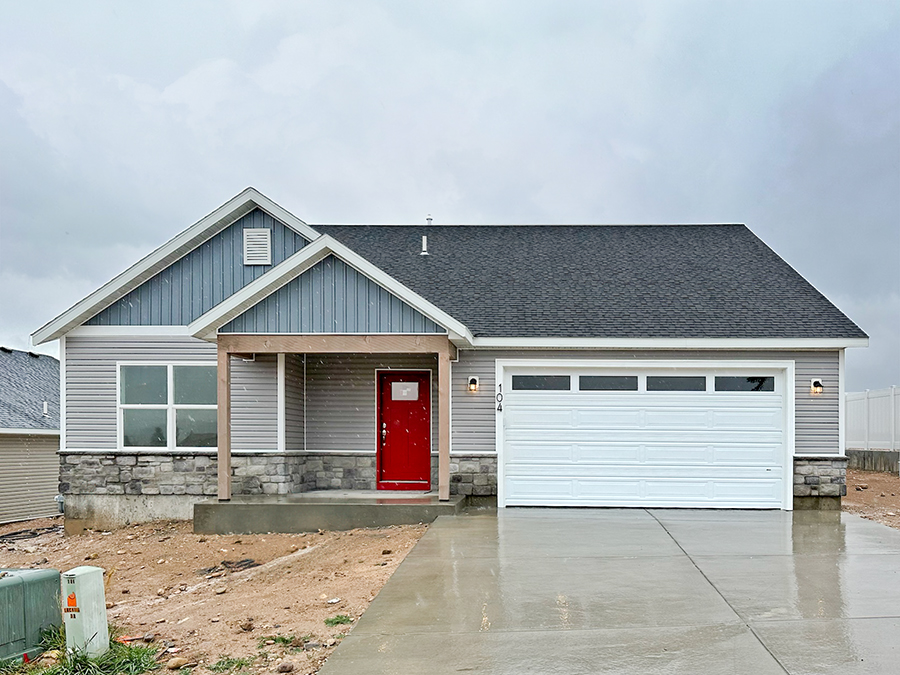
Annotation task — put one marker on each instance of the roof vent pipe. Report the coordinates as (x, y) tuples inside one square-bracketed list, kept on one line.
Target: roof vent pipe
[(424, 245), (46, 409), (428, 219)]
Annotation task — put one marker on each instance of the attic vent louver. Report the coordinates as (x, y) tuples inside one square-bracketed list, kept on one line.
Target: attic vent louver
[(257, 246)]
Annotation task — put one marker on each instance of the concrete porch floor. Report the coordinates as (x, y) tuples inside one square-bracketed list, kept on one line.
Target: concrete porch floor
[(321, 509)]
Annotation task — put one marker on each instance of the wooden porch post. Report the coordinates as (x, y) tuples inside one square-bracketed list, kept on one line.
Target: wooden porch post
[(444, 425), (223, 419)]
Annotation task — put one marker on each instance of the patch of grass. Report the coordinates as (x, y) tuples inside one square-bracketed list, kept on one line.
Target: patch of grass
[(226, 664), (338, 620), (284, 640), (120, 659)]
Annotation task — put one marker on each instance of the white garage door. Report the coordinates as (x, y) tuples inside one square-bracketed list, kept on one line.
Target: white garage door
[(661, 437)]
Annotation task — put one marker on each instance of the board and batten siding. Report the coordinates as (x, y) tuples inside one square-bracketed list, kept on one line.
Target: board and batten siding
[(341, 401), (91, 397), (200, 280), (29, 476), (816, 417), (332, 297)]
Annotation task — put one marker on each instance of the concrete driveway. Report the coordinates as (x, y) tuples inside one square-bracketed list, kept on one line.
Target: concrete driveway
[(570, 591)]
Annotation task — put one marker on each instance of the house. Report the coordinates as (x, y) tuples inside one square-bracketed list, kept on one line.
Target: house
[(29, 435), (666, 366)]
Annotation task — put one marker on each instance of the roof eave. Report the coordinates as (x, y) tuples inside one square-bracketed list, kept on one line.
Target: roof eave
[(165, 255), (28, 432), (668, 343)]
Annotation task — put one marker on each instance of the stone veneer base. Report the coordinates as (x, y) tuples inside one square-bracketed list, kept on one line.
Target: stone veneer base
[(114, 488)]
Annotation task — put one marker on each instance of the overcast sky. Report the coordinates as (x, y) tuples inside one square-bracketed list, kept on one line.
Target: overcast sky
[(123, 123)]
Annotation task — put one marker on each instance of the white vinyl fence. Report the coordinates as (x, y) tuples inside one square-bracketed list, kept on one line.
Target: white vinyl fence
[(873, 419)]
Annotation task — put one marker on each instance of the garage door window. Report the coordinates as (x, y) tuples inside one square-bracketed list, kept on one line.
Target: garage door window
[(676, 383), (608, 383), (541, 383), (753, 383)]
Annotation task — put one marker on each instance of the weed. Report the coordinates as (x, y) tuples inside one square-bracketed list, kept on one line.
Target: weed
[(284, 640), (226, 664), (338, 620), (120, 659)]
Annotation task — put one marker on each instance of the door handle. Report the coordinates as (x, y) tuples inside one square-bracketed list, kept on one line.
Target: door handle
[(383, 431)]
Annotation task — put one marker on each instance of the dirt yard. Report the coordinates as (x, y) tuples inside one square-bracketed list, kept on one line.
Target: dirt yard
[(263, 600), (873, 495), (259, 600)]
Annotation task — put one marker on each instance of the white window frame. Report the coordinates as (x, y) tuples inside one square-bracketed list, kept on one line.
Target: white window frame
[(170, 407)]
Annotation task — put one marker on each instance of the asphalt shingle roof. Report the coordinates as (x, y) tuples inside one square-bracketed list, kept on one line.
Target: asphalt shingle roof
[(667, 281), (26, 381)]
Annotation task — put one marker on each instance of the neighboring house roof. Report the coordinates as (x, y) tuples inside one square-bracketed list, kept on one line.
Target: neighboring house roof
[(603, 281), (27, 380)]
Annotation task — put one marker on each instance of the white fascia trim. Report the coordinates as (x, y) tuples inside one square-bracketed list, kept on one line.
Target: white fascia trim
[(134, 276), (62, 391), (668, 343), (126, 331), (205, 327), (29, 432)]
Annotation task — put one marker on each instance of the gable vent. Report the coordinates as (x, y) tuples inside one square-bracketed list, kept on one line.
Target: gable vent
[(257, 246)]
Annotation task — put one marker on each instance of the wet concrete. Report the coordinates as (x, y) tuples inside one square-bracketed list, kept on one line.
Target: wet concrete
[(637, 591)]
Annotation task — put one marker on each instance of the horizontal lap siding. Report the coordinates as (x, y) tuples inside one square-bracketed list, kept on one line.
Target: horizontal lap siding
[(340, 399), (91, 380), (29, 476), (816, 421), (254, 403), (332, 297), (294, 403), (201, 279)]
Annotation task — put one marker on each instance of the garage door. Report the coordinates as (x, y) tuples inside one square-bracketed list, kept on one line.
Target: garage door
[(661, 437)]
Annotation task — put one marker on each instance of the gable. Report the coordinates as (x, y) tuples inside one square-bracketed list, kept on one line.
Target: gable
[(201, 279), (607, 282), (331, 297)]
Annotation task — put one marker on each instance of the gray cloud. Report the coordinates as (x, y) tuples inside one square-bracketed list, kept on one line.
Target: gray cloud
[(122, 124)]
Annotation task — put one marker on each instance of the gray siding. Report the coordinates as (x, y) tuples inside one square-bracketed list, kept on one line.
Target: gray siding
[(254, 403), (29, 476), (294, 403), (91, 380), (331, 297), (201, 279), (340, 399), (816, 418)]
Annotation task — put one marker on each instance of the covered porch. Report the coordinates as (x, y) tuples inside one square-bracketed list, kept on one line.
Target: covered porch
[(339, 411)]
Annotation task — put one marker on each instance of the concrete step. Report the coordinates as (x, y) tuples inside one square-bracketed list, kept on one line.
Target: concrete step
[(321, 510)]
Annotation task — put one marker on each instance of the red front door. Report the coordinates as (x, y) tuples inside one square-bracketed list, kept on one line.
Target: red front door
[(404, 430)]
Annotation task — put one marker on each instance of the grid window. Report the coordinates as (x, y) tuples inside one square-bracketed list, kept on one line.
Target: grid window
[(167, 406)]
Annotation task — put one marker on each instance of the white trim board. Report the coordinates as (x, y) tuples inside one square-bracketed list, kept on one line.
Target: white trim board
[(29, 432), (165, 255)]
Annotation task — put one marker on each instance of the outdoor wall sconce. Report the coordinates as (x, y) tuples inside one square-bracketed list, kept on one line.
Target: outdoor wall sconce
[(816, 387), (472, 384)]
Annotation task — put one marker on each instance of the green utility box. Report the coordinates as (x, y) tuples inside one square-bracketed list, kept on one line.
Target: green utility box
[(29, 604)]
